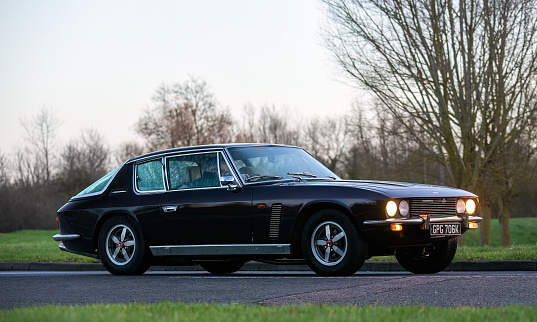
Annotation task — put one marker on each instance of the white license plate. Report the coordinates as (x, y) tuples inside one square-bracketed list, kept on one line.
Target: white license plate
[(445, 229)]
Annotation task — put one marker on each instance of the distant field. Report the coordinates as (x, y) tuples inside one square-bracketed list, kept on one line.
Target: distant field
[(38, 246), (167, 311)]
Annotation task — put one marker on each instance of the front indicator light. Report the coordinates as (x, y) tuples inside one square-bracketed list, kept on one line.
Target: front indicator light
[(391, 208), (470, 206), (473, 225), (396, 227)]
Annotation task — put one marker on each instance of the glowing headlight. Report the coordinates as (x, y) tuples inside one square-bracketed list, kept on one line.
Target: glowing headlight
[(391, 208), (404, 208), (461, 207), (470, 206)]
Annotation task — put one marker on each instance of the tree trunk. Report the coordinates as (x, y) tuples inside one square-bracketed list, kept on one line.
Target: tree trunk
[(484, 228), (503, 218)]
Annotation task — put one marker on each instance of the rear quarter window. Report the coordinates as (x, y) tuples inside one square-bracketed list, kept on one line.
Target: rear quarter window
[(149, 176), (99, 185)]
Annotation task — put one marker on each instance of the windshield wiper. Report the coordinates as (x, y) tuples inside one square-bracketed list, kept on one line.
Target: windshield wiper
[(307, 174), (255, 178)]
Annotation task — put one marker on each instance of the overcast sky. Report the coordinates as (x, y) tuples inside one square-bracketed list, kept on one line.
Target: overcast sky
[(97, 63)]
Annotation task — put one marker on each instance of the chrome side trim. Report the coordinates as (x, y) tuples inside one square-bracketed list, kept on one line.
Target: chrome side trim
[(419, 221), (238, 249), (60, 237)]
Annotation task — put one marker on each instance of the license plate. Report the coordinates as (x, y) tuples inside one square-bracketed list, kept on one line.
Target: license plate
[(445, 229)]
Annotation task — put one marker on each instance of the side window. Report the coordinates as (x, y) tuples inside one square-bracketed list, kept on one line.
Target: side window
[(149, 176), (193, 171)]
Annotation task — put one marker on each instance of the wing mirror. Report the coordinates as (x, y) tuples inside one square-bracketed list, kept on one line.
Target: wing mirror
[(229, 181)]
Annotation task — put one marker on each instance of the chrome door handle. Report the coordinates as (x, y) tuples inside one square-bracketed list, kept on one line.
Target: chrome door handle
[(169, 208)]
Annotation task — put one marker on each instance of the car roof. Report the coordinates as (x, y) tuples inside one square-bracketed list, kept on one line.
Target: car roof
[(203, 148)]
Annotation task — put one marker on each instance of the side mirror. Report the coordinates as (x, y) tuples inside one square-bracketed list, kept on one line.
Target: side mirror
[(229, 181)]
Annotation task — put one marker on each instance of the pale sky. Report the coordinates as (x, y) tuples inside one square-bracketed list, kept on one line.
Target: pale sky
[(97, 63)]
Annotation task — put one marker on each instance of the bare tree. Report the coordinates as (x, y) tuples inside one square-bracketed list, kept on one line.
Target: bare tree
[(327, 140), (185, 114), (463, 72), (4, 179), (128, 150), (83, 161), (35, 159)]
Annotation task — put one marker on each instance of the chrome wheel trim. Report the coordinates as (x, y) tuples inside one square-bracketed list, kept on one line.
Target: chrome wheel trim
[(120, 245), (329, 243)]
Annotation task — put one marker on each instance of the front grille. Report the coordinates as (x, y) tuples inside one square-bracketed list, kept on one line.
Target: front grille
[(433, 206)]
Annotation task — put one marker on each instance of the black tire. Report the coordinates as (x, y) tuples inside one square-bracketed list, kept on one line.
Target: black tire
[(122, 248), (221, 267), (427, 260), (331, 244)]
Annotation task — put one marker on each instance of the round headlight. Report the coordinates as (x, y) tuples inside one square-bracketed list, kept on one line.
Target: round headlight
[(391, 208), (470, 206), (461, 207), (404, 208)]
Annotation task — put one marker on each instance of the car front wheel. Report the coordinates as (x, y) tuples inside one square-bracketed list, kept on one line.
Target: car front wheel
[(332, 245), (429, 259), (122, 248)]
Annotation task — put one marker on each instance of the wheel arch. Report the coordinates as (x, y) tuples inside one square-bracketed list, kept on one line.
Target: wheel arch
[(306, 212)]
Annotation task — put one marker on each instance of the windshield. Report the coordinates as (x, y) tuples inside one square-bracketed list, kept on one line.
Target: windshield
[(272, 163)]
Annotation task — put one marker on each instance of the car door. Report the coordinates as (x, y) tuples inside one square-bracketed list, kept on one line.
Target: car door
[(198, 209)]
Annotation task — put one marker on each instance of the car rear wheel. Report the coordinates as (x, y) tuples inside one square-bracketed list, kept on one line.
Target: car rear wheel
[(427, 260), (331, 244), (220, 267), (122, 248)]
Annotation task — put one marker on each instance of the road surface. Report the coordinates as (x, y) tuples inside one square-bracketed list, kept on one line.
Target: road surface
[(24, 288)]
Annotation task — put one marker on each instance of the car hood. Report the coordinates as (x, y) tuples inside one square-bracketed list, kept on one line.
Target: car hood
[(392, 189)]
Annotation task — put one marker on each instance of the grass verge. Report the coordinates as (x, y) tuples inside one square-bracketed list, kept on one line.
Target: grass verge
[(168, 311), (35, 246)]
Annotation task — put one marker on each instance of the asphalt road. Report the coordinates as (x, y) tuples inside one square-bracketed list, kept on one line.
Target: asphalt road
[(23, 288)]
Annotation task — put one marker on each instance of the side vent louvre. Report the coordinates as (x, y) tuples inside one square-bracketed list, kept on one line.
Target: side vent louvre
[(274, 230)]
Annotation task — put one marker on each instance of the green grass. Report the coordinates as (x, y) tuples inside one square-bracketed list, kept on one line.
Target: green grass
[(35, 246), (522, 233), (38, 246), (167, 311), (515, 252)]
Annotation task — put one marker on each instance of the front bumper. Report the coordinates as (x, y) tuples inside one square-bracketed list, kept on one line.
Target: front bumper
[(424, 221)]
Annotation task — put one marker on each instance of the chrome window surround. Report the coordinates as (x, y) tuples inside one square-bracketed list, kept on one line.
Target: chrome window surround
[(163, 160), (135, 175)]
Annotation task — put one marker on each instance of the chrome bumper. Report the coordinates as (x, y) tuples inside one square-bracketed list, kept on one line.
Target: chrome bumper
[(60, 237), (421, 221)]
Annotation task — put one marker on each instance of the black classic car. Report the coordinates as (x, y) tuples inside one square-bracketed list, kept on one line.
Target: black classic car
[(222, 205)]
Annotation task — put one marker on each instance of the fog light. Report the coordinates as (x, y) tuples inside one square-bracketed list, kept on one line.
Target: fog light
[(473, 225), (396, 227)]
